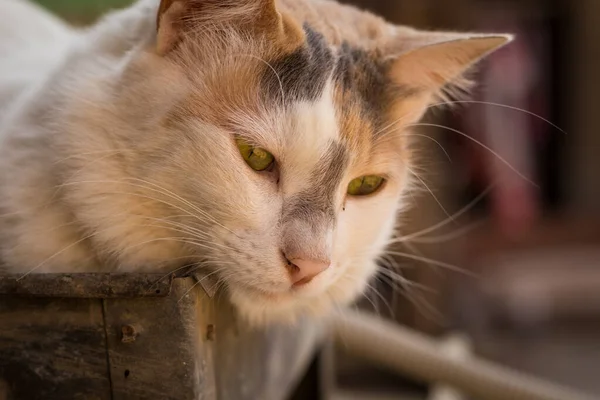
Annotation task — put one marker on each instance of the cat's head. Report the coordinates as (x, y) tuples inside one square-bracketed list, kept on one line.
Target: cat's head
[(287, 139)]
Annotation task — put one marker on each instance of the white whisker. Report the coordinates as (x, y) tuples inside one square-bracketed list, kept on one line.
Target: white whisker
[(433, 140), (456, 215), (499, 105), (498, 156), (427, 260), (431, 192), (449, 236)]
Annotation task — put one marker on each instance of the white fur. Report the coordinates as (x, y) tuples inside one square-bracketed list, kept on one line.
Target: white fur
[(32, 43)]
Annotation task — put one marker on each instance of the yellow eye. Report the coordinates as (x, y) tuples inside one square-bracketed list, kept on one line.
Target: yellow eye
[(257, 158), (365, 185)]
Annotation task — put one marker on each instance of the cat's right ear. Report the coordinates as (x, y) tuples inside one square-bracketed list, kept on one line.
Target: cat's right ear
[(176, 18)]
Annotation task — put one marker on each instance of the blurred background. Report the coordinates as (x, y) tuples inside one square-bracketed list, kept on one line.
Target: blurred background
[(504, 246)]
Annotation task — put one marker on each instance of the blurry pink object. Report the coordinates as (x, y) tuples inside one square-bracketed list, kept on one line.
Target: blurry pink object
[(511, 78)]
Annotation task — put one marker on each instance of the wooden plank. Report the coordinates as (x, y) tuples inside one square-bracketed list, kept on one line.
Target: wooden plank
[(86, 285), (183, 346), (52, 349), (191, 346), (155, 347)]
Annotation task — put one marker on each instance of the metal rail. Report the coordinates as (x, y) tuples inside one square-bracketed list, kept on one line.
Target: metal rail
[(418, 356)]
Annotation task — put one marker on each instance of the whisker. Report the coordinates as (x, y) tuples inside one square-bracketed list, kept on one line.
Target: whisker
[(197, 283), (394, 284), (449, 236), (426, 309), (417, 252), (438, 263), (56, 255), (375, 308), (395, 277), (50, 258), (352, 278), (186, 202), (445, 222), (380, 296), (498, 156), (502, 106), (385, 129), (178, 227), (431, 192), (416, 299), (208, 216), (131, 193), (202, 262), (172, 271), (172, 239), (433, 140), (218, 286)]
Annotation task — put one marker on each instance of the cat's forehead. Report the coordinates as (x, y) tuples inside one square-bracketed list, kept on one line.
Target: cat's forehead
[(319, 91), (355, 77)]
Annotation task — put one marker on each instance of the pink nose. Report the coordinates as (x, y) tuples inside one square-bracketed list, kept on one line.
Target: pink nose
[(302, 271)]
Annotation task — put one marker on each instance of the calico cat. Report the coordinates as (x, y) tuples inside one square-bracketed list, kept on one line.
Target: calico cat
[(262, 140)]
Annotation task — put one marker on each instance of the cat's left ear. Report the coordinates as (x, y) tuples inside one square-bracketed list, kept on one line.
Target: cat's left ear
[(177, 18), (428, 62)]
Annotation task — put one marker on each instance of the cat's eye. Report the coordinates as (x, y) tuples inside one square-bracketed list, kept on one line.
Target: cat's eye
[(365, 185), (257, 158)]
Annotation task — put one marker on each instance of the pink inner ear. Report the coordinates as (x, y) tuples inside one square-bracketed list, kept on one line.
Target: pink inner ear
[(435, 64)]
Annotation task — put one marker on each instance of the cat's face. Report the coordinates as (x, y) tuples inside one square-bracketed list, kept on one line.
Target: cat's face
[(287, 143)]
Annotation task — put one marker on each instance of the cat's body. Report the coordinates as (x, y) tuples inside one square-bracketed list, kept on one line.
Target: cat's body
[(117, 147)]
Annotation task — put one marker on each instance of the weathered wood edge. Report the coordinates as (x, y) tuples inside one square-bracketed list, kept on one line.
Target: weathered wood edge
[(87, 285), (196, 343), (156, 347)]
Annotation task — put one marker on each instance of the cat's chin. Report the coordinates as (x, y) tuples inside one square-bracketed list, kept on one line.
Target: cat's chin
[(260, 308)]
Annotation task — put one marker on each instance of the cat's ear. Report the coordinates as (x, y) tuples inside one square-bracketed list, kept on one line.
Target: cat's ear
[(256, 17), (429, 62)]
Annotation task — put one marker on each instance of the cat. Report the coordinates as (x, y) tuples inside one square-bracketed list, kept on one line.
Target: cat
[(262, 140)]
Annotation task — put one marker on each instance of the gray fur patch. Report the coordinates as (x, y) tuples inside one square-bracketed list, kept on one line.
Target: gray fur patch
[(303, 73), (363, 79), (316, 204)]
